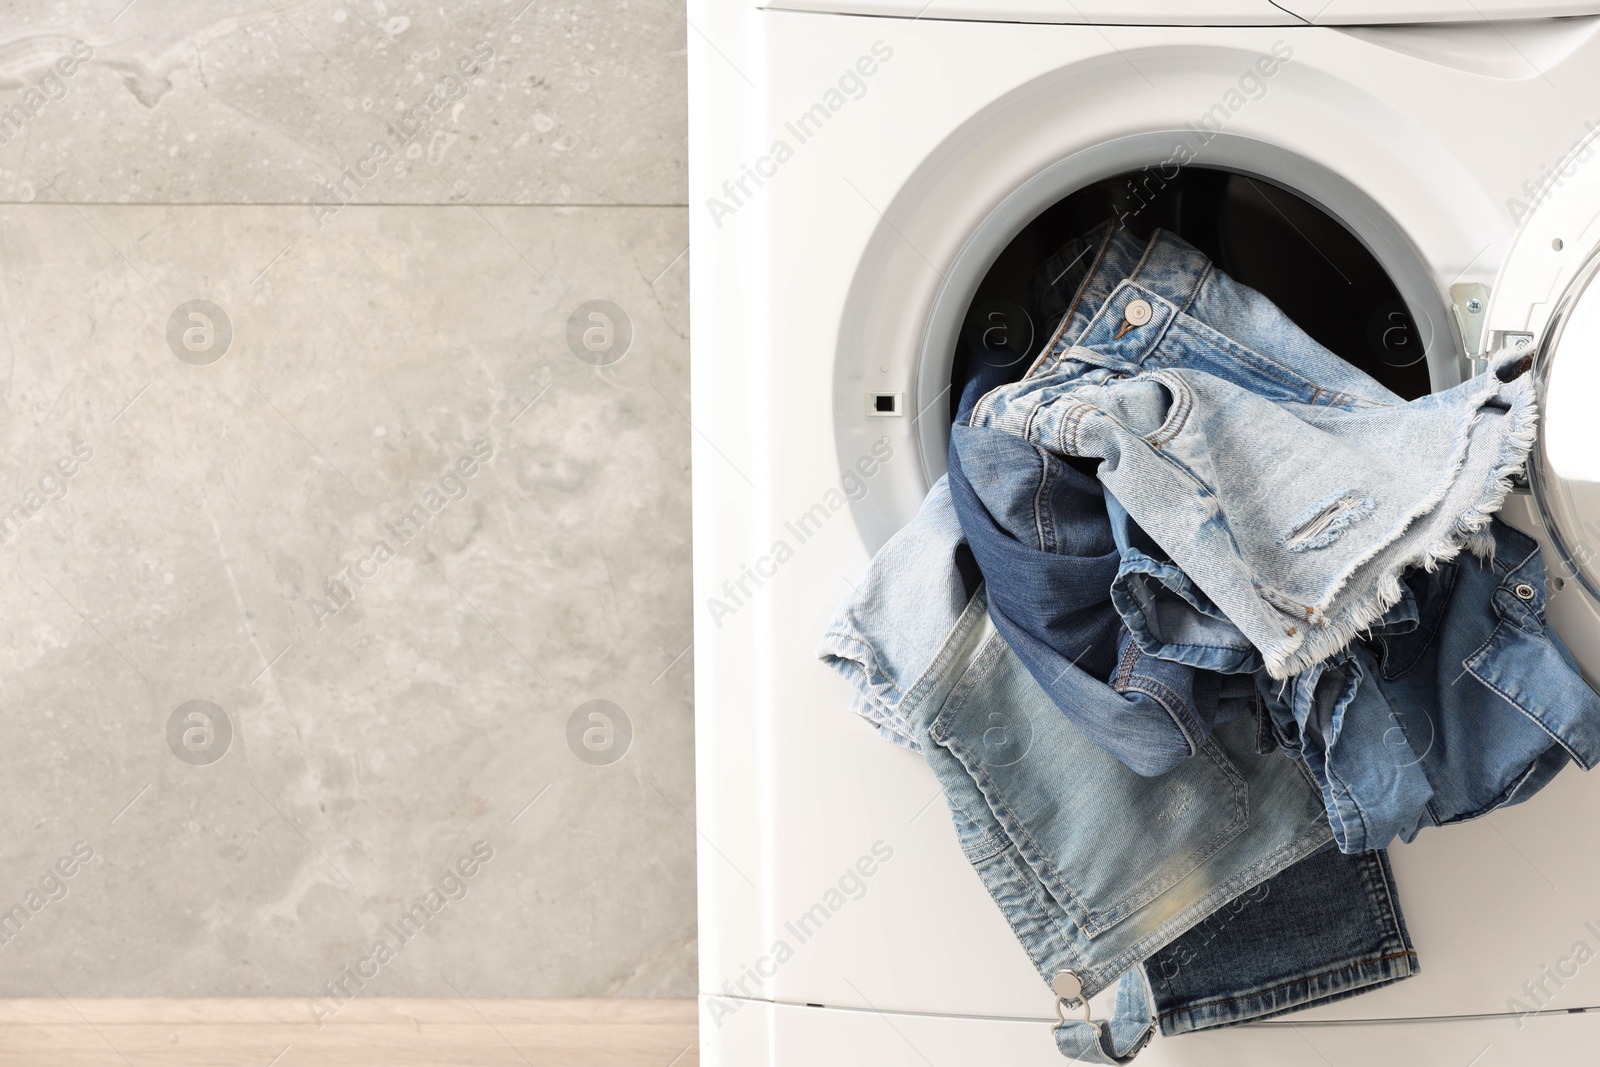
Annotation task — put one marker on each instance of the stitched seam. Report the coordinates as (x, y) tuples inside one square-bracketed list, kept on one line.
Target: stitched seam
[(1074, 425), (1503, 695), (1182, 406), (1039, 510), (1383, 880), (1297, 981), (986, 847), (1072, 308), (970, 678), (1423, 639), (1031, 886), (1200, 281), (1336, 786), (1125, 664), (912, 701), (1261, 364), (1284, 604), (1144, 257), (1173, 705), (870, 654), (1089, 277), (1241, 882)]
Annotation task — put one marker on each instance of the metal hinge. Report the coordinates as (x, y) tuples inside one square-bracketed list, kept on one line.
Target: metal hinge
[(1470, 301)]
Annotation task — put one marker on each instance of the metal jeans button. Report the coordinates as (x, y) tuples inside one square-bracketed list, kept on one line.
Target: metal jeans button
[(1066, 985), (1524, 591)]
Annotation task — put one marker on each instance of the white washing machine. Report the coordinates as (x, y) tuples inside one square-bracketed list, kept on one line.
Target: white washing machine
[(859, 170)]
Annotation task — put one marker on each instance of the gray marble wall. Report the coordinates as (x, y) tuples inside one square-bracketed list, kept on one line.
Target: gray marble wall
[(344, 499)]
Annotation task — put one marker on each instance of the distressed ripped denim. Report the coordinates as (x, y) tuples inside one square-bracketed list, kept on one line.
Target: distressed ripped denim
[(1293, 489)]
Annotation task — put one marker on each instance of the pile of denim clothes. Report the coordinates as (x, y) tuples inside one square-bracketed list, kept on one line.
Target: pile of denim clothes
[(1199, 621)]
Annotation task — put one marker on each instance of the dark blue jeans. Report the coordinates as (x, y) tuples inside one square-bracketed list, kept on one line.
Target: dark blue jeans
[(1040, 534), (1326, 929)]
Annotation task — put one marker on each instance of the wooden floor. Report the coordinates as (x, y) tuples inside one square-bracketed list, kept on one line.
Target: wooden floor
[(371, 1032)]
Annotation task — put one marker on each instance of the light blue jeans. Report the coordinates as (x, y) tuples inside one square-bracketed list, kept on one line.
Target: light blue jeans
[(1293, 489), (1095, 867)]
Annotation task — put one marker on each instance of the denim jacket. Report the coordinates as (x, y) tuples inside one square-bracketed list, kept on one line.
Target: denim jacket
[(1466, 703)]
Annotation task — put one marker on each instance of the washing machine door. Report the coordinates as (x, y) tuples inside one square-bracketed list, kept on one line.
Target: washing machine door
[(1564, 469), (1546, 306)]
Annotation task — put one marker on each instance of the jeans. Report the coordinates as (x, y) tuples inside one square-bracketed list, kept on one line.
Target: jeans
[(1293, 489), (1040, 534), (1098, 869), (1456, 701), (1238, 966)]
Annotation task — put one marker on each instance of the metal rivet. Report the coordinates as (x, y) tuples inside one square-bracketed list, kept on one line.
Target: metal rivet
[(1137, 312), (1066, 985), (1524, 591)]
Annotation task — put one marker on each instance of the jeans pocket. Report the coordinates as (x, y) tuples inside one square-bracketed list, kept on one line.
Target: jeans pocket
[(1104, 840), (1179, 405)]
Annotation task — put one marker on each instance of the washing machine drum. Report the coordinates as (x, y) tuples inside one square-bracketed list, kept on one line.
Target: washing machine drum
[(1564, 471)]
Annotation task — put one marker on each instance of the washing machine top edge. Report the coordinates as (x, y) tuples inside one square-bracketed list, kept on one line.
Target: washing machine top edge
[(1198, 12)]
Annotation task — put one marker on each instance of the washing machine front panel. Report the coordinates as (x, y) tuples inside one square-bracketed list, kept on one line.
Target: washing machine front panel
[(796, 1036), (798, 799)]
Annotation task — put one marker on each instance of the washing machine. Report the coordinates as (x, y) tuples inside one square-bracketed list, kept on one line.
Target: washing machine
[(1414, 181)]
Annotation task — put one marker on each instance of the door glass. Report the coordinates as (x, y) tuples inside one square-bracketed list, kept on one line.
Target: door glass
[(1564, 471)]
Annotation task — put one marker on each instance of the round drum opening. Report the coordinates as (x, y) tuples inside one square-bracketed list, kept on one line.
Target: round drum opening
[(1318, 246), (1285, 247), (1311, 240)]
